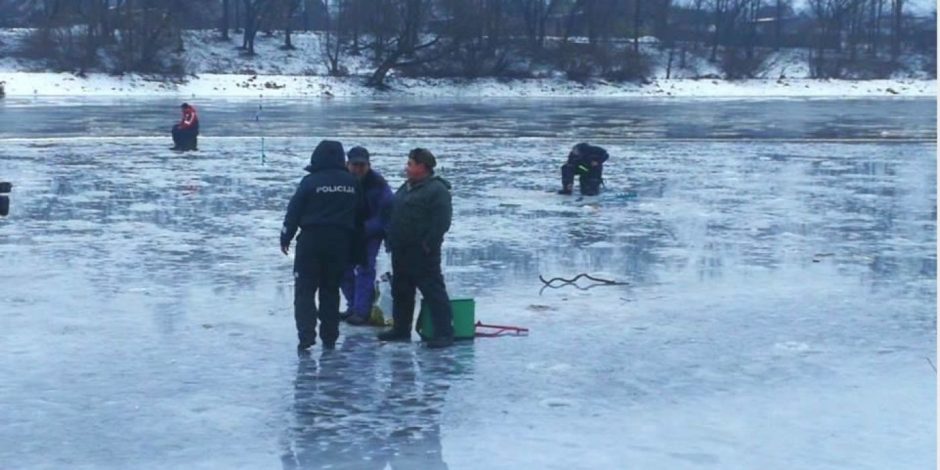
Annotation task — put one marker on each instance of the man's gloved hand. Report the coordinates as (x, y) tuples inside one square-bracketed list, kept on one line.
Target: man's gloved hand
[(285, 249)]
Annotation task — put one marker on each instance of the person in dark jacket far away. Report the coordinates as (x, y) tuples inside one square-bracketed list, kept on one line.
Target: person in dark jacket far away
[(421, 215), (326, 208), (586, 161), (359, 280), (185, 132)]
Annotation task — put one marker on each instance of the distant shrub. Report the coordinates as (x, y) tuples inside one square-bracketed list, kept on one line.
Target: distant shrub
[(61, 49), (473, 61), (736, 64), (628, 66), (74, 49), (516, 73), (825, 67), (930, 65), (869, 68), (614, 62), (340, 71), (131, 52), (579, 71)]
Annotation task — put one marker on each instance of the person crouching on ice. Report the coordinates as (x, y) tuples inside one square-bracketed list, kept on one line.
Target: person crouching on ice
[(359, 281), (586, 161), (185, 133)]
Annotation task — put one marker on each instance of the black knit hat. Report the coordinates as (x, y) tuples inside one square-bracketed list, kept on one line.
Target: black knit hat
[(424, 157)]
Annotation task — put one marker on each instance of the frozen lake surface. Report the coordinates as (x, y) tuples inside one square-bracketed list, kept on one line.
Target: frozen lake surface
[(780, 312)]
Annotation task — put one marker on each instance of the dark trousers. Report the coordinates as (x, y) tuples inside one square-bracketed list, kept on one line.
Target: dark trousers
[(185, 139), (322, 256), (589, 177), (413, 268)]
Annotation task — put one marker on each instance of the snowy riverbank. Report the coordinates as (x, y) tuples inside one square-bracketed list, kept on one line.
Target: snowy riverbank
[(218, 70), (222, 85)]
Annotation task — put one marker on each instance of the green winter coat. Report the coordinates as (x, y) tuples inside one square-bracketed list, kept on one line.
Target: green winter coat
[(421, 215)]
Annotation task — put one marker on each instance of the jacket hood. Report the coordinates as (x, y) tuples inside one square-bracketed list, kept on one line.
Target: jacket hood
[(328, 155)]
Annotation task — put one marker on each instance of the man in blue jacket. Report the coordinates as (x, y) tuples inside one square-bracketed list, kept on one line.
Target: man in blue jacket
[(359, 281), (327, 210), (586, 161)]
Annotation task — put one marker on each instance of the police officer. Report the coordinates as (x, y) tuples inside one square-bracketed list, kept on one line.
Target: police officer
[(327, 210), (586, 161), (421, 215)]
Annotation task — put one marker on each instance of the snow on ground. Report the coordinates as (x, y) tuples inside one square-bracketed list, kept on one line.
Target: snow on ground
[(208, 85), (208, 53), (786, 64), (220, 71)]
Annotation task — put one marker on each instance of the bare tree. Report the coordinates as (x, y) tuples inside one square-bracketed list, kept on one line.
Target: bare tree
[(134, 35), (404, 20), (356, 18), (223, 26), (663, 31), (897, 15), (333, 44), (289, 8), (719, 12), (254, 12), (475, 32), (778, 22), (637, 20), (571, 17), (535, 14), (751, 10), (875, 11), (146, 30), (829, 16)]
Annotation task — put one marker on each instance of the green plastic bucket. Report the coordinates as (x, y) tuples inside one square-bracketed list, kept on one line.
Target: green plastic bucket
[(464, 319)]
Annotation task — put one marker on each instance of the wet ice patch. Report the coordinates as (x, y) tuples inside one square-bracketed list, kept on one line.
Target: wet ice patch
[(558, 367), (558, 403), (793, 347)]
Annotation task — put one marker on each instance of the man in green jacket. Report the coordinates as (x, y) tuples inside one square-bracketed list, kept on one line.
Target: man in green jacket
[(420, 217)]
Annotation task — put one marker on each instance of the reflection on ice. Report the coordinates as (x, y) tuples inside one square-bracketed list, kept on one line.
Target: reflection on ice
[(367, 407)]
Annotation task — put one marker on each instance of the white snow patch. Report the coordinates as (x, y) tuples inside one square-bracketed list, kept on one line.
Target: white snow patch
[(219, 70)]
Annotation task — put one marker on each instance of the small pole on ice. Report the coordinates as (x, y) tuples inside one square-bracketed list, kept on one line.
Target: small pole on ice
[(258, 120)]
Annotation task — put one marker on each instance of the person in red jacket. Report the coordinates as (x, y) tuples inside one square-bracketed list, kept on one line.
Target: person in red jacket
[(186, 132)]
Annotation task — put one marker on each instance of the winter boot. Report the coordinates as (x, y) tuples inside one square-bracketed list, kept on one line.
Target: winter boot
[(439, 343), (394, 335), (357, 319)]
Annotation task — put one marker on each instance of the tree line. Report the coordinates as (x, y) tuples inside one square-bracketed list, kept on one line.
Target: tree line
[(480, 38)]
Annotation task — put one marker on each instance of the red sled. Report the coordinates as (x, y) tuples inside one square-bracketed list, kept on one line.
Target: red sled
[(492, 331)]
